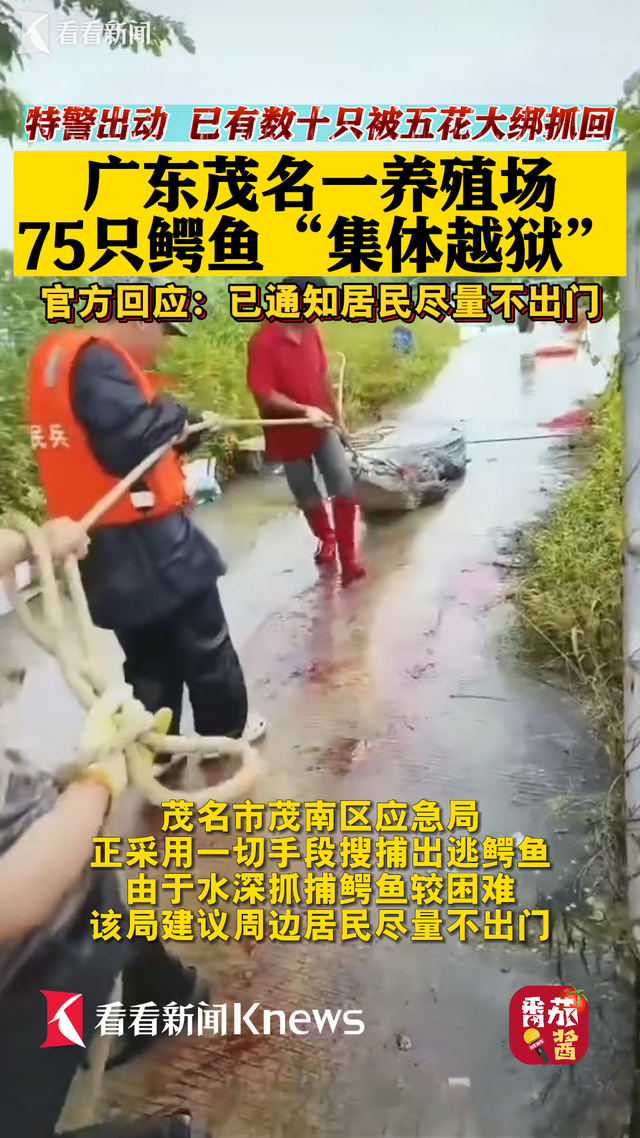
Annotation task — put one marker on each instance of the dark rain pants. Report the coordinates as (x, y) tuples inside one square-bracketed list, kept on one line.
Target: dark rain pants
[(191, 649)]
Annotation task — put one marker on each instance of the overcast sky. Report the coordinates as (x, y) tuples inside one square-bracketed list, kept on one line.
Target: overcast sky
[(364, 51)]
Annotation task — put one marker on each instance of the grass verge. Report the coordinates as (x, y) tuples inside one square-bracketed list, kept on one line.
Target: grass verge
[(569, 597)]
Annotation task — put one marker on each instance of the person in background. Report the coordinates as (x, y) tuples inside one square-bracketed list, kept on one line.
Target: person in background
[(47, 896), (403, 340), (288, 376), (525, 323), (151, 575)]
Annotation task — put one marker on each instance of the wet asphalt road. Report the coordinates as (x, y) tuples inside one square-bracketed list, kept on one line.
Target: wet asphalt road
[(402, 688)]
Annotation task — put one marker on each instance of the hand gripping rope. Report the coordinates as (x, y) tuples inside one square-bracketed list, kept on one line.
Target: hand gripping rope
[(116, 722), (210, 422)]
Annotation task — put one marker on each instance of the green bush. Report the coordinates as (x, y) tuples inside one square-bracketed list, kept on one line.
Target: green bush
[(570, 597), (21, 322)]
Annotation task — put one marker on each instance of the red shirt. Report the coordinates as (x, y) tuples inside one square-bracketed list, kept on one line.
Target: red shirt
[(279, 364)]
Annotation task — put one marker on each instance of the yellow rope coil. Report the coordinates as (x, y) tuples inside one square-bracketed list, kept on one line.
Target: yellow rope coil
[(69, 634), (117, 723)]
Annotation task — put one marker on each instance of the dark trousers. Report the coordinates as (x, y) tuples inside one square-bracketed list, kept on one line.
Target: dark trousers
[(191, 649), (35, 1082)]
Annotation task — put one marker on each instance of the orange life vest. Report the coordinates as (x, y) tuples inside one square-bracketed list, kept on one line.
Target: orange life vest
[(162, 381), (72, 480)]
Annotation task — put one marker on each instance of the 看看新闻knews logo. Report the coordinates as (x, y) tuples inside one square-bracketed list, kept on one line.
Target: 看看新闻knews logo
[(35, 32), (64, 1019)]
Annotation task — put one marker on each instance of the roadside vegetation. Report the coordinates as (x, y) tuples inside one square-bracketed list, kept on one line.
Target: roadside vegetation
[(207, 369), (569, 597), (569, 594)]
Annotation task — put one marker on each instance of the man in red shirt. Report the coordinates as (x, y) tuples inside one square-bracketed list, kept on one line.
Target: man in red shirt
[(288, 378)]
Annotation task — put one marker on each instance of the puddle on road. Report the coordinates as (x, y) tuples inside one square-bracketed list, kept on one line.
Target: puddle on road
[(402, 689)]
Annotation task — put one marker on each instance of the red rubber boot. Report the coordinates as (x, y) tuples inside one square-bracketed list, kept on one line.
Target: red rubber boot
[(320, 526), (345, 515)]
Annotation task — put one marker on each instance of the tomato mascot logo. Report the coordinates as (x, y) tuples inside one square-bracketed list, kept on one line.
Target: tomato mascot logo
[(549, 1023)]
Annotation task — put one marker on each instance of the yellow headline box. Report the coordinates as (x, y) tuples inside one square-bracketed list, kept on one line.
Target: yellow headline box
[(316, 213)]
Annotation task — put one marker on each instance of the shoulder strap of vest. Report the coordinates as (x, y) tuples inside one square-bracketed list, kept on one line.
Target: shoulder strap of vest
[(53, 354), (58, 351)]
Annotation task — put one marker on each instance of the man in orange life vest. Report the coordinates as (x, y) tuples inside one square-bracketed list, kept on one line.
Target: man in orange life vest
[(151, 575), (288, 377)]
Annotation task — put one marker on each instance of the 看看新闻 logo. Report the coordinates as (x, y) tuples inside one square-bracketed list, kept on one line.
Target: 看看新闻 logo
[(64, 1019), (35, 32)]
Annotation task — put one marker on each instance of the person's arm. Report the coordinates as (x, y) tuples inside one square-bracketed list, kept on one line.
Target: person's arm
[(122, 427), (331, 396), (14, 548), (40, 869), (329, 387), (190, 442), (333, 401), (262, 383), (64, 538), (271, 403), (43, 865)]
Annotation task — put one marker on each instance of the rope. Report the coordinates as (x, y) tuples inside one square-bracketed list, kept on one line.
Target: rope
[(115, 721), (357, 444), (342, 368), (523, 438), (209, 422)]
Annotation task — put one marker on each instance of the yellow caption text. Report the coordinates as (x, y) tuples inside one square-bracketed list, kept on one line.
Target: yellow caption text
[(351, 213), (358, 870)]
